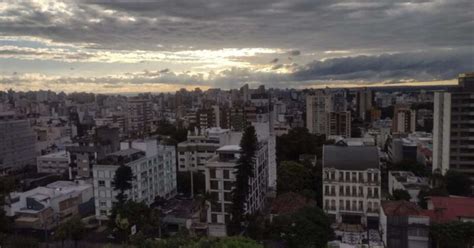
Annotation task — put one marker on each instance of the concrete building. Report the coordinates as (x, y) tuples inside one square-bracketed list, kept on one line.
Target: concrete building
[(56, 163), (139, 116), (404, 119), (220, 179), (338, 123), (351, 184), (194, 152), (364, 102), (453, 128), (317, 106), (89, 149), (404, 224), (406, 180), (17, 143), (153, 167), (45, 207)]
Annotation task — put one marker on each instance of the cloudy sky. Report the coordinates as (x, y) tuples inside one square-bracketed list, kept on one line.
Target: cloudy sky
[(164, 45)]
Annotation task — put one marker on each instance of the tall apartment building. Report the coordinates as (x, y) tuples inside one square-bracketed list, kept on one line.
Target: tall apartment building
[(453, 129), (139, 116), (326, 113), (17, 143), (154, 174), (317, 106), (339, 123), (351, 184), (220, 178), (364, 102), (404, 119)]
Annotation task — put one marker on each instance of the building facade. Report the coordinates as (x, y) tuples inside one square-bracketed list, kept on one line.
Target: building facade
[(351, 184), (453, 128), (56, 163), (220, 180), (17, 143), (154, 171)]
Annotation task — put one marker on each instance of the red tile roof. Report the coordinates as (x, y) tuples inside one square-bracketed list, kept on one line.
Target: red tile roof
[(401, 208), (447, 209), (290, 202)]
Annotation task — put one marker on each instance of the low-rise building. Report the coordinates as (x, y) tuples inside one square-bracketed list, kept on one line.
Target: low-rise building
[(46, 207), (55, 163), (351, 184), (403, 224), (406, 180), (154, 174)]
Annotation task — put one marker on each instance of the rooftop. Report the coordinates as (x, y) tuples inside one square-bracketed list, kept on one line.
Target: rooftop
[(350, 157), (229, 148), (402, 208), (450, 208), (60, 154)]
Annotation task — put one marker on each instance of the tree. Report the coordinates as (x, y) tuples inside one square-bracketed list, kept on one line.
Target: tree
[(293, 177), (424, 193), (298, 141), (73, 229), (457, 183), (309, 227), (453, 234), (122, 182), (245, 164), (400, 194), (413, 166)]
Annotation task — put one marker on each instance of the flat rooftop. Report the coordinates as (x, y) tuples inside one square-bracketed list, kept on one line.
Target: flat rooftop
[(350, 157), (229, 148)]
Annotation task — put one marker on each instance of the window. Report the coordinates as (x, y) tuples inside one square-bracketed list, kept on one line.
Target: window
[(216, 207), (212, 173), (376, 192), (326, 190), (341, 176), (341, 204), (226, 174), (214, 185), (227, 185), (103, 212), (227, 196), (214, 218)]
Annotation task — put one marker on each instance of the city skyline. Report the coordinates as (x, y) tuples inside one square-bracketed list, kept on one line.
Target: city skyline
[(162, 46)]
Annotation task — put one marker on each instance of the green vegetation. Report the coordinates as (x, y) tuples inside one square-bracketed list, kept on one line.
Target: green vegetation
[(245, 164), (73, 229), (413, 166), (309, 227), (457, 183), (400, 194), (453, 234), (122, 182)]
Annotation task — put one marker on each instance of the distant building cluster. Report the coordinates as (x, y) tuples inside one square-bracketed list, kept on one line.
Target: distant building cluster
[(67, 148)]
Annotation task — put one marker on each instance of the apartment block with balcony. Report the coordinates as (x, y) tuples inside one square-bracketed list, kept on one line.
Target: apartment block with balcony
[(351, 184), (220, 180), (154, 174)]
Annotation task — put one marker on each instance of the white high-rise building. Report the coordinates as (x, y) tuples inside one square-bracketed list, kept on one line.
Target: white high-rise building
[(453, 128), (220, 179), (154, 174)]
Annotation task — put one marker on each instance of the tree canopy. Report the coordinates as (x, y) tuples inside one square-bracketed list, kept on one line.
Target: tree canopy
[(453, 234), (245, 164), (122, 182), (293, 177), (298, 141), (309, 227), (400, 194), (458, 183)]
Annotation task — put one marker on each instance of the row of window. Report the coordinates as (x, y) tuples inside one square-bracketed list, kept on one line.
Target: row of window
[(351, 191), (351, 176), (355, 206)]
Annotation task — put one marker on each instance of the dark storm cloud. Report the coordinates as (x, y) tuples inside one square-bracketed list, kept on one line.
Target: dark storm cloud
[(305, 24), (388, 31), (421, 66)]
